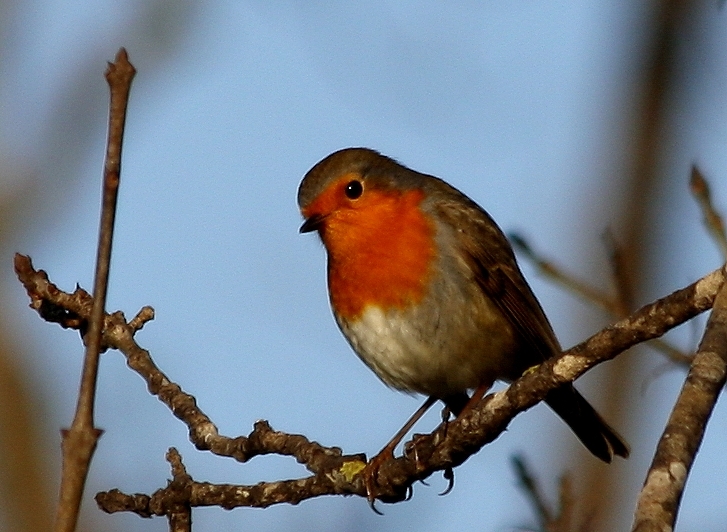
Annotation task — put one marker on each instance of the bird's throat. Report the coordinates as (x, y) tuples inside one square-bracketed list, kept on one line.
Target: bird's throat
[(380, 253)]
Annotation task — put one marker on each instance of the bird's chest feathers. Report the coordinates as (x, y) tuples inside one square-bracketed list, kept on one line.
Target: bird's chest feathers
[(380, 253)]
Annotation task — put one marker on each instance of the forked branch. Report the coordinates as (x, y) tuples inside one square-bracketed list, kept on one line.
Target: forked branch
[(332, 471)]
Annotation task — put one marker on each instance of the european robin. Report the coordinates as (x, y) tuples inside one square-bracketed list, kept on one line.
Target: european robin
[(426, 289)]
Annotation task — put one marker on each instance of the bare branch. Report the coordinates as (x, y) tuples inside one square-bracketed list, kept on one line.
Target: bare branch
[(334, 472), (466, 435), (659, 500), (79, 442), (179, 509), (184, 490)]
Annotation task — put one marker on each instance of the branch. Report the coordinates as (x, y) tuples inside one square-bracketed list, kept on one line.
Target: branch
[(466, 435), (618, 306), (659, 500), (555, 274), (334, 472), (559, 520), (712, 220), (79, 442), (166, 501), (529, 485)]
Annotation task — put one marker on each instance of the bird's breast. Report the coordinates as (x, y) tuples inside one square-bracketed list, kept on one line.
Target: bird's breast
[(455, 339), (381, 254)]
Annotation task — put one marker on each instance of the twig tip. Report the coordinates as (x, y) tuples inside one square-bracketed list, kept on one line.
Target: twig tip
[(121, 70)]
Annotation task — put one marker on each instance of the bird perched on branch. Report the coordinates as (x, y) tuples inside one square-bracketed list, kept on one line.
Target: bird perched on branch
[(425, 287)]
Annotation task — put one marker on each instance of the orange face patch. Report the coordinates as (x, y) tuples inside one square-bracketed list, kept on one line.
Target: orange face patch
[(380, 247), (332, 198)]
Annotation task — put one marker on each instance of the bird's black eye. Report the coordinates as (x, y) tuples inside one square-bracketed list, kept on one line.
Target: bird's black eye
[(354, 189)]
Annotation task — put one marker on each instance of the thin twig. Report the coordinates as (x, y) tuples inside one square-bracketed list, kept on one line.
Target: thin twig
[(179, 514), (553, 272), (623, 304), (79, 442), (712, 219), (659, 499), (566, 507), (530, 486)]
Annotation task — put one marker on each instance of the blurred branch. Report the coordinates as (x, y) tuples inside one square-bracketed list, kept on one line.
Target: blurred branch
[(659, 500), (712, 220), (79, 442), (617, 306), (530, 486), (620, 305), (623, 301), (559, 520), (333, 472), (553, 272)]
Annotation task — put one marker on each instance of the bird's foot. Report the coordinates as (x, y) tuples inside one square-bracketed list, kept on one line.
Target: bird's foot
[(370, 474)]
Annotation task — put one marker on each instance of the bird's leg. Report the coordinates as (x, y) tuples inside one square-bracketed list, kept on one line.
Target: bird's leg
[(456, 408), (476, 397), (372, 468), (471, 403), (446, 414)]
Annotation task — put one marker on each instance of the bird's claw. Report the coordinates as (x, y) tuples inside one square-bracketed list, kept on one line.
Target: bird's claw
[(372, 505), (370, 472), (449, 475)]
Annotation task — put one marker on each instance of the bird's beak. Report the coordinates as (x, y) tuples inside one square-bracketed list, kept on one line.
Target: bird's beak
[(313, 223)]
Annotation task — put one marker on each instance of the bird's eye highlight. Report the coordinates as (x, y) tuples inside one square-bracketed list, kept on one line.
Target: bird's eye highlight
[(354, 190)]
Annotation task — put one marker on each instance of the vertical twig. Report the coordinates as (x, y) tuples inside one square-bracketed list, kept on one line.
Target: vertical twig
[(79, 442), (179, 514), (624, 301), (658, 503)]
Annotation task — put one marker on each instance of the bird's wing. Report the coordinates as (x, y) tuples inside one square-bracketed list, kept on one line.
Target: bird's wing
[(495, 270)]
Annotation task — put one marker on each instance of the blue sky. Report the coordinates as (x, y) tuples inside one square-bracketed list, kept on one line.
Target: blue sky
[(528, 107)]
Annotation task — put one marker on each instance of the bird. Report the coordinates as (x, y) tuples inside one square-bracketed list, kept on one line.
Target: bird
[(426, 289)]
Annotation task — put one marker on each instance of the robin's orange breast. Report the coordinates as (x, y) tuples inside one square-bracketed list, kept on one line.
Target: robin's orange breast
[(381, 251)]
